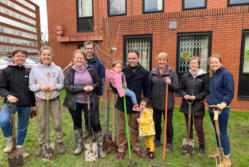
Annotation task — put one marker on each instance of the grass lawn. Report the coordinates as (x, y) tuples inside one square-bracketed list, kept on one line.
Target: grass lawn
[(238, 131)]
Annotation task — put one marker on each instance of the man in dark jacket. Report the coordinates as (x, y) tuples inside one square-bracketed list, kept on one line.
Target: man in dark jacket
[(96, 63), (137, 81)]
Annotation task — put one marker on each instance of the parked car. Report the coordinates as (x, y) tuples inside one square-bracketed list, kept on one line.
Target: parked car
[(30, 63), (3, 64)]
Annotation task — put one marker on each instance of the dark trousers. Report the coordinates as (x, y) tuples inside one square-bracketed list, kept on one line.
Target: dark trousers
[(198, 127), (157, 114), (77, 117)]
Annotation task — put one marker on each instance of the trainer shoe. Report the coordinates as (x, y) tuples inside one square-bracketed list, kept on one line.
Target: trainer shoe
[(136, 107), (216, 154), (9, 146), (226, 162)]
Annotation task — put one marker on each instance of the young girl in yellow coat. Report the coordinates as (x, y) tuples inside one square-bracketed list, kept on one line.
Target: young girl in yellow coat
[(146, 126)]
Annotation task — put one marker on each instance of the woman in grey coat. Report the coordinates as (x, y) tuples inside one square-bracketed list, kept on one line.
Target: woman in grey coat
[(158, 79)]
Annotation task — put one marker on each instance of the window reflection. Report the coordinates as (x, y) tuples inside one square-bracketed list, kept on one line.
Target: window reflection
[(17, 15), (11, 31), (17, 7), (17, 24), (17, 41)]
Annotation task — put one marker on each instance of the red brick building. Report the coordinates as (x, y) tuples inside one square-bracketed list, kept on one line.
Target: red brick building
[(19, 27), (178, 27)]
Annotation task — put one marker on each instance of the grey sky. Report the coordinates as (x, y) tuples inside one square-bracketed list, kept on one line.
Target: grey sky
[(43, 16)]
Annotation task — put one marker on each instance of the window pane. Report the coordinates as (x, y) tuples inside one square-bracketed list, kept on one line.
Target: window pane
[(117, 7), (85, 8), (194, 4), (142, 45), (246, 55), (192, 45), (238, 1), (153, 5)]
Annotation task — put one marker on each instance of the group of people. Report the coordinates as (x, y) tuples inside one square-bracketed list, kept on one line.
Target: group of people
[(145, 91)]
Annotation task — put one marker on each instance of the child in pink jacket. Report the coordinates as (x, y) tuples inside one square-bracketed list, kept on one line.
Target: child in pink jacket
[(114, 76)]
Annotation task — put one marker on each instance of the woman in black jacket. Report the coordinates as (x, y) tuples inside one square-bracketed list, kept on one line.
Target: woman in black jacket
[(158, 79), (194, 88), (82, 82), (14, 82)]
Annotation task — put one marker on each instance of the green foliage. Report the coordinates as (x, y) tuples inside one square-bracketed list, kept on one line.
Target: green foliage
[(238, 131)]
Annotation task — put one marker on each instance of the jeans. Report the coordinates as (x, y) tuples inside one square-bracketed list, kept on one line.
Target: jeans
[(223, 122), (157, 114), (132, 95), (22, 125)]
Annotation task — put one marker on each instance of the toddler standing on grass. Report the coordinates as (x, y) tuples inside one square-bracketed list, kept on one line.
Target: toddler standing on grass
[(146, 126), (116, 77)]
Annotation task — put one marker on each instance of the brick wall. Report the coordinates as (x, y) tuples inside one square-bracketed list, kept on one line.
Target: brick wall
[(226, 25)]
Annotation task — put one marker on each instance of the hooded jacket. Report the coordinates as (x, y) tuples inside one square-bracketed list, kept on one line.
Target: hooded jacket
[(196, 86), (115, 80), (221, 87), (14, 80), (158, 87), (146, 124), (51, 75), (99, 67)]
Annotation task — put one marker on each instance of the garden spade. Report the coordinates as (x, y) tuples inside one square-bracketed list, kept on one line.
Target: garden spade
[(216, 112), (91, 149), (187, 143), (48, 147), (15, 157)]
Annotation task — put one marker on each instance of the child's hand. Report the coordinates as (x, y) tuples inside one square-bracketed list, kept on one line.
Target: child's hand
[(138, 120)]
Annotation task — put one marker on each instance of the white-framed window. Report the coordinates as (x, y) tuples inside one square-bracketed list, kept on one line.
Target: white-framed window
[(150, 6), (116, 8), (194, 4)]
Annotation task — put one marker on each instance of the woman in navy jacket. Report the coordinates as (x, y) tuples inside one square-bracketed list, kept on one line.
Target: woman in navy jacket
[(221, 93)]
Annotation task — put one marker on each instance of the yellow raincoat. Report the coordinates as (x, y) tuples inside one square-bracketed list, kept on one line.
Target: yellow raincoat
[(146, 125)]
